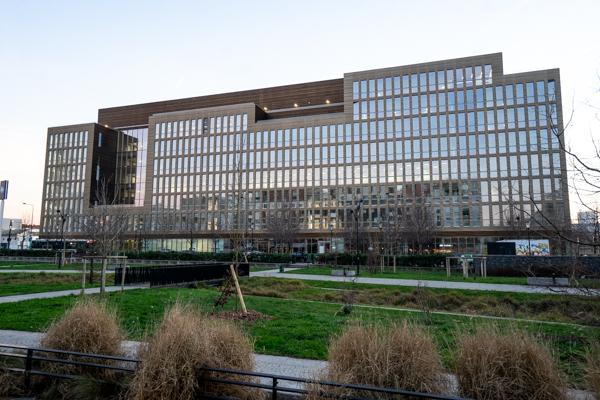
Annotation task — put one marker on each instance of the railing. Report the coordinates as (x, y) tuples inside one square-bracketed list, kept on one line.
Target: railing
[(322, 386), (31, 356), (177, 274), (126, 365)]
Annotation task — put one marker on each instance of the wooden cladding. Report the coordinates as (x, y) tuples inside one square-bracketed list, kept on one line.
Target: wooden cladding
[(279, 97)]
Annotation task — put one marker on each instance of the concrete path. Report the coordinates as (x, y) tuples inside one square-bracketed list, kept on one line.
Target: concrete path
[(62, 293), (424, 283)]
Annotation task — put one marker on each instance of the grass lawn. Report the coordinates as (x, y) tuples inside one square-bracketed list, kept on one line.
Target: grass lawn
[(418, 275), (544, 307), (23, 283), (298, 328)]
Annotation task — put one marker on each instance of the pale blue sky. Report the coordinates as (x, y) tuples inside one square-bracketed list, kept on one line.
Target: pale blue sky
[(62, 60)]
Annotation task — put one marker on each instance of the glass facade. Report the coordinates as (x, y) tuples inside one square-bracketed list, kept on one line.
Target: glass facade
[(131, 166), (65, 179), (474, 145)]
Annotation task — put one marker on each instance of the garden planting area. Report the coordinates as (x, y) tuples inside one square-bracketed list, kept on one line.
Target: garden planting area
[(300, 318)]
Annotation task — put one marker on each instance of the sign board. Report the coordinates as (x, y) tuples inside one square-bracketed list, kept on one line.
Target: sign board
[(534, 247), (3, 190)]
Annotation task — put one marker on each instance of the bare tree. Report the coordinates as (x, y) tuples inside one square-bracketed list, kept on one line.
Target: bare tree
[(283, 226), (418, 227), (104, 224)]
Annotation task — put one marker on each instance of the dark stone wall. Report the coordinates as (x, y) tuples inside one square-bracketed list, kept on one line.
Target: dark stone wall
[(543, 266)]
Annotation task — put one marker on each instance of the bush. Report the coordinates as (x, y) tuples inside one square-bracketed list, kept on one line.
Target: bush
[(197, 256), (593, 369), (10, 385), (27, 253), (512, 365), (88, 327), (400, 356), (182, 343)]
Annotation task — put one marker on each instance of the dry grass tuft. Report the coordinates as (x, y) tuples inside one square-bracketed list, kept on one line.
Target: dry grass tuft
[(90, 326), (506, 366), (400, 356), (184, 341), (593, 369), (10, 385)]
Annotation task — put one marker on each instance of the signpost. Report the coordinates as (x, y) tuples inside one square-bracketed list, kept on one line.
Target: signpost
[(3, 196)]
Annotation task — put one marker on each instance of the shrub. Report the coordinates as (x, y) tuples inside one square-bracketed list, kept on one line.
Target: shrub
[(27, 253), (199, 256), (593, 369), (512, 365), (400, 356), (92, 327), (10, 385), (183, 342)]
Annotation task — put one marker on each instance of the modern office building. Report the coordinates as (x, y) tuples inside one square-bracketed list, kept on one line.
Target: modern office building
[(474, 144)]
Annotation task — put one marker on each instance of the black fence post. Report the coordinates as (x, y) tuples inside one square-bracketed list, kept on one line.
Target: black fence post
[(274, 390), (28, 364)]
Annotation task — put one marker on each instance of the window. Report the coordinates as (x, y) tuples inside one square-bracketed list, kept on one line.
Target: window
[(530, 92), (488, 74)]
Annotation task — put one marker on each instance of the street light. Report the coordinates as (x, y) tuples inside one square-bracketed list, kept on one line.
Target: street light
[(331, 238), (63, 218), (356, 213), (528, 225), (30, 224), (381, 246)]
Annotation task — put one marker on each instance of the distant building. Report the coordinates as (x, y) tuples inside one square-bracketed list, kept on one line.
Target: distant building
[(473, 143), (12, 226), (587, 217)]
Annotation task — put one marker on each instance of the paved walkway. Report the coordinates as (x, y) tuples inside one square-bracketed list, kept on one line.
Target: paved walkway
[(63, 293), (430, 284)]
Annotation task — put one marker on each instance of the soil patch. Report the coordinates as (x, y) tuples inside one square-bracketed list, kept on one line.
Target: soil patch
[(251, 317)]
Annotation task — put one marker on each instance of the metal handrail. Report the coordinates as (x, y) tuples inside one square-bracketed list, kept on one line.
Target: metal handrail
[(28, 371), (275, 378)]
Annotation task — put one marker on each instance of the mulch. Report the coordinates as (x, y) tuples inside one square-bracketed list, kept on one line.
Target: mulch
[(251, 317)]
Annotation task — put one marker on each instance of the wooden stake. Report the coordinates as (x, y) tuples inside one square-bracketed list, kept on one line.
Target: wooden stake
[(83, 277), (123, 269), (237, 287), (103, 276)]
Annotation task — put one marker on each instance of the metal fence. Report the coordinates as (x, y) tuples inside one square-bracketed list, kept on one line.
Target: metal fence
[(176, 274), (32, 359)]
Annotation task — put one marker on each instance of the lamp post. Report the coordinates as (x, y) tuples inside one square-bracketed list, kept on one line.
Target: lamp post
[(9, 233), (381, 247), (356, 213), (528, 225), (63, 219), (30, 224), (331, 238)]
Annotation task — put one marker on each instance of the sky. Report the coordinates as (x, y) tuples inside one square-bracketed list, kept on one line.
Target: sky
[(60, 61)]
